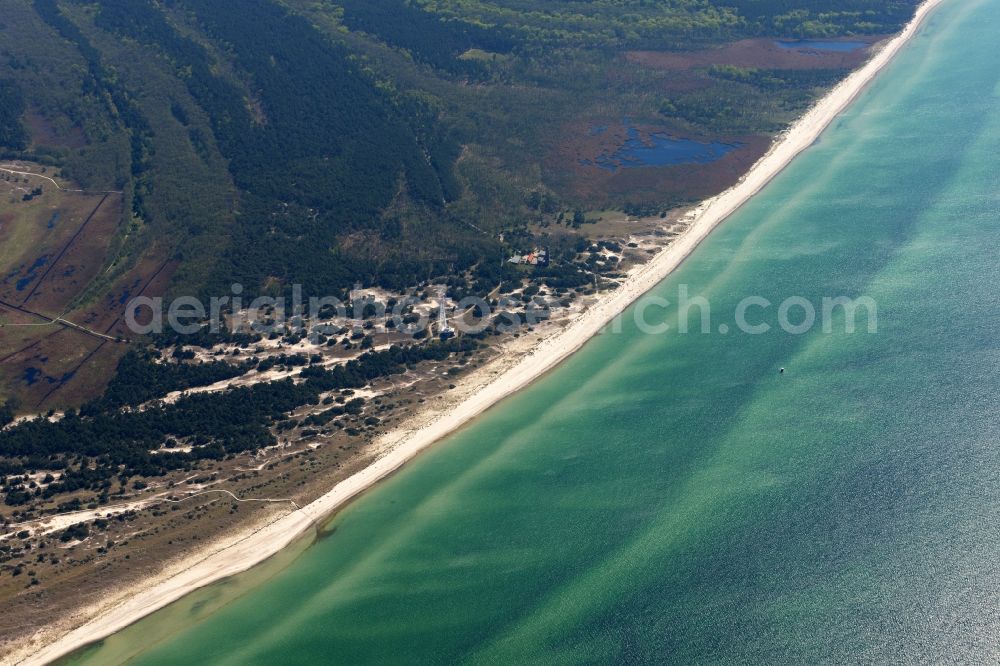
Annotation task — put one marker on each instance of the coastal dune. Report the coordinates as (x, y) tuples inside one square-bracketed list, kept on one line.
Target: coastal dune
[(239, 554)]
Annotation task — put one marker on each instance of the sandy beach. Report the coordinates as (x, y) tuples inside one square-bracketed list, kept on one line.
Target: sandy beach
[(483, 389)]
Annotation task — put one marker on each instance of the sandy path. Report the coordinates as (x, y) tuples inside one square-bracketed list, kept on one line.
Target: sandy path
[(521, 370), (9, 168)]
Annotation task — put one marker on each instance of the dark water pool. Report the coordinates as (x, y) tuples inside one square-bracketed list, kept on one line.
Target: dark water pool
[(820, 45), (660, 149)]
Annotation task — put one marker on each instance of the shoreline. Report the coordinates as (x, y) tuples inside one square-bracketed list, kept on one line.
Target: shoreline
[(234, 555)]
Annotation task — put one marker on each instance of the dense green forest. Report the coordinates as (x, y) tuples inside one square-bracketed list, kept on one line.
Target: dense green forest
[(652, 23), (103, 83), (822, 18), (12, 134), (425, 36), (324, 154)]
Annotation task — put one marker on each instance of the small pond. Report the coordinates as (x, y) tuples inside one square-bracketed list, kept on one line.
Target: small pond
[(660, 149), (820, 45)]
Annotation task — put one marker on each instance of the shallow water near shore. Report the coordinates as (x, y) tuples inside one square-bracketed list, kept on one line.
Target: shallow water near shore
[(673, 497)]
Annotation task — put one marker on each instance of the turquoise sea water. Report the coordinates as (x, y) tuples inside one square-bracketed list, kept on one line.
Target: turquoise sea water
[(673, 498)]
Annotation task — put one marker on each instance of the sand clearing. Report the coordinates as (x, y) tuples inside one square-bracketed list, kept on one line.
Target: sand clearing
[(517, 371)]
